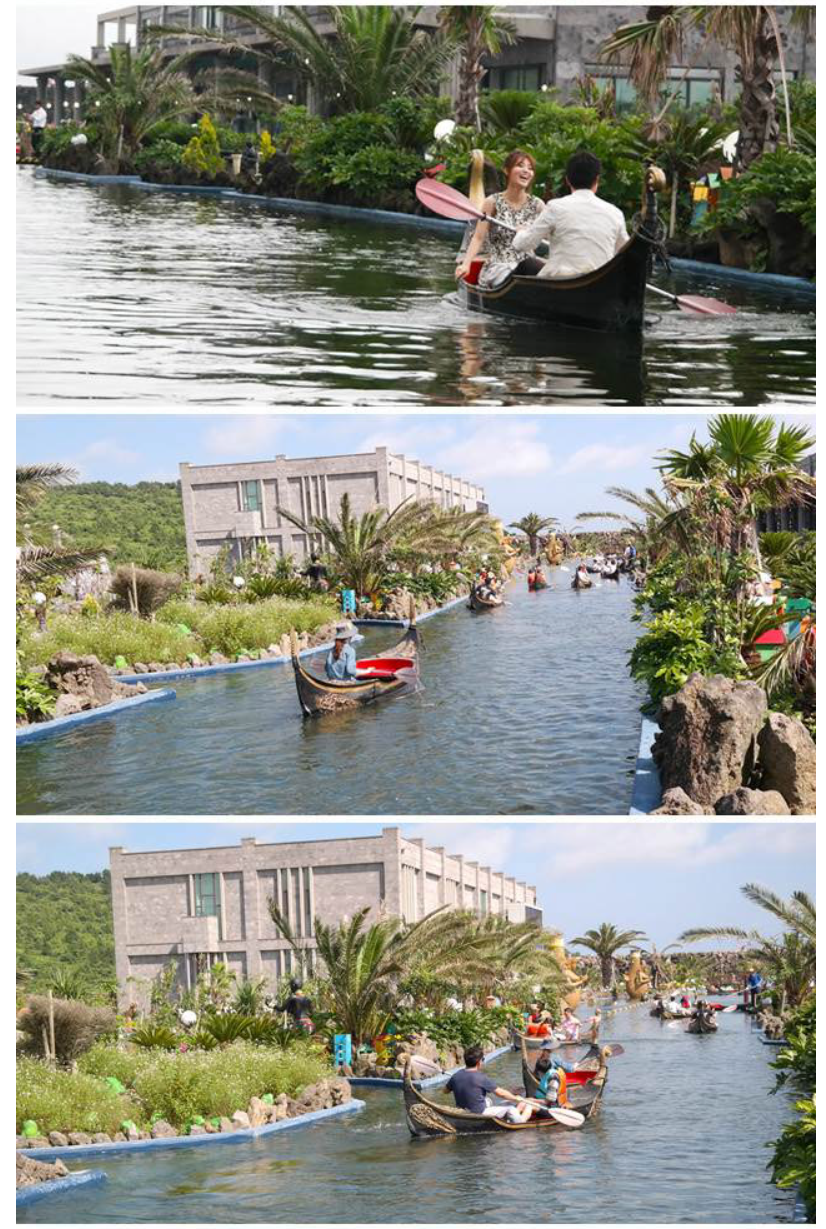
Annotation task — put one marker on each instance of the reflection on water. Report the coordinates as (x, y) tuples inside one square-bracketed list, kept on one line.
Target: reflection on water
[(129, 296), (513, 718), (681, 1137)]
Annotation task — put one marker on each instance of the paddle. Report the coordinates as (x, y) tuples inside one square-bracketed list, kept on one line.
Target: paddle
[(568, 1118), (446, 201)]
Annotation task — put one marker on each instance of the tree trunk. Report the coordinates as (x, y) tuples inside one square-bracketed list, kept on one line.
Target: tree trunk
[(607, 967), (470, 75), (672, 221), (759, 129), (532, 542)]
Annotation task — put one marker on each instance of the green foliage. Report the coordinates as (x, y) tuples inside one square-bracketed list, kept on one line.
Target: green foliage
[(412, 120), (249, 996), (57, 150), (673, 647), (154, 1036), (504, 110), (179, 132), (226, 1028), (376, 177), (76, 1025), (294, 130), (464, 1028), (203, 153), (786, 177), (64, 920), (151, 588), (231, 629), (160, 155), (64, 1101), (793, 1163), (107, 636), (141, 524), (440, 586), (35, 702)]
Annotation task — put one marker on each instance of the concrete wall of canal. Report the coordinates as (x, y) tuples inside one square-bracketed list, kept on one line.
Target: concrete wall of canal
[(798, 286), (646, 793), (72, 1182)]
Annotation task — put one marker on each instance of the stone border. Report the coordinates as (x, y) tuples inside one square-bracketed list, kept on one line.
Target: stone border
[(366, 1081), (646, 793), (72, 1182), (57, 725), (280, 204), (190, 1141)]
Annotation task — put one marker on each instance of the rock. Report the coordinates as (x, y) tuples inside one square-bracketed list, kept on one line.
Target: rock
[(241, 1119), (30, 1171), (67, 705), (140, 667), (38, 1141), (345, 1069), (195, 1129), (133, 1133), (143, 1135), (707, 745), (58, 1140), (171, 666), (274, 650), (156, 667), (163, 1130), (85, 677), (100, 1137), (788, 762), (119, 1138), (22, 1142), (79, 1137), (278, 1113), (226, 1126), (676, 801), (136, 689), (745, 801), (210, 1128), (194, 660), (257, 1112), (218, 659)]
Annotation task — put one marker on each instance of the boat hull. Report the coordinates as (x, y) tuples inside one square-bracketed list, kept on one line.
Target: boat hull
[(318, 696), (476, 602)]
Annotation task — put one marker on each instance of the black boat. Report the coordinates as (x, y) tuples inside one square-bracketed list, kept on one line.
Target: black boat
[(431, 1118), (609, 299), (392, 672), (478, 601)]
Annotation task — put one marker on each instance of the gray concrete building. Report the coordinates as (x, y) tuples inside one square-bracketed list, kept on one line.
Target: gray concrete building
[(197, 907), (555, 45), (796, 517), (236, 505)]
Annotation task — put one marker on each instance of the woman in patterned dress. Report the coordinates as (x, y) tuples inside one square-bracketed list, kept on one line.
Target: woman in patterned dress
[(516, 207)]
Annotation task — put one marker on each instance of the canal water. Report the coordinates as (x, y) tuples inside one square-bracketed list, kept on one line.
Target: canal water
[(126, 296), (526, 709), (681, 1137)]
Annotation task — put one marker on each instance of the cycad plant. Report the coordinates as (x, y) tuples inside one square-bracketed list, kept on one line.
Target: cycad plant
[(605, 943)]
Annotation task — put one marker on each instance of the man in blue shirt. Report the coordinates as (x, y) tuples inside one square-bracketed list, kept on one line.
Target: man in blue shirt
[(471, 1090), (754, 985), (341, 660)]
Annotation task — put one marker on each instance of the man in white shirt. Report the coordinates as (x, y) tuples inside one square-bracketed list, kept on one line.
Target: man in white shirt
[(38, 120), (583, 231)]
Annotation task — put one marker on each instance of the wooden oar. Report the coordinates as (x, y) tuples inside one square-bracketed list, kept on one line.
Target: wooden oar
[(568, 1118), (446, 201)]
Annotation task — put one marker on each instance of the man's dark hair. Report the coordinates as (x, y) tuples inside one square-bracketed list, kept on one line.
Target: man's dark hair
[(583, 169), (473, 1056), (295, 985)]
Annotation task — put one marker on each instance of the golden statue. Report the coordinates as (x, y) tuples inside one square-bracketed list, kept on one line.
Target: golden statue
[(637, 980), (571, 979), (554, 551)]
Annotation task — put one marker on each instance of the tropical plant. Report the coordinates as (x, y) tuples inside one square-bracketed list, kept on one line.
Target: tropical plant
[(203, 153), (675, 645), (68, 984), (224, 1029), (681, 146), (532, 525), (155, 1036), (605, 943), (35, 699), (36, 562), (478, 30), (131, 94), (249, 996)]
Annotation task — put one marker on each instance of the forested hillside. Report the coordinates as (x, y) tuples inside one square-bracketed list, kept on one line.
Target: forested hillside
[(141, 524), (64, 921)]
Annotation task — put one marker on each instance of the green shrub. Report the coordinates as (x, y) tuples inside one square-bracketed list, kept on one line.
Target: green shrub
[(294, 129), (226, 1028), (231, 629), (35, 702), (784, 176), (104, 1059), (160, 155), (152, 1036), (794, 1160), (673, 647), (463, 1028), (76, 1025), (175, 130), (107, 636), (69, 1101), (203, 154)]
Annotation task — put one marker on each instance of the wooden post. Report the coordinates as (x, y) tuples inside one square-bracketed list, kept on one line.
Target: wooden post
[(45, 1043), (51, 1022), (135, 590)]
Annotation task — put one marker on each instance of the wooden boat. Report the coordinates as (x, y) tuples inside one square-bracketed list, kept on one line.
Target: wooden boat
[(581, 582), (430, 1118), (702, 1023), (477, 602), (392, 672), (585, 1071), (609, 299)]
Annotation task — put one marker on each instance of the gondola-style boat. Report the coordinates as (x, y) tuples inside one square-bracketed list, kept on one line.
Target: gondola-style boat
[(537, 588), (476, 601), (392, 672), (581, 582), (585, 1071), (609, 299), (429, 1118), (703, 1022)]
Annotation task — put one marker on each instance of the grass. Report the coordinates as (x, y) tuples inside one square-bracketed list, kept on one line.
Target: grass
[(225, 629), (58, 1100)]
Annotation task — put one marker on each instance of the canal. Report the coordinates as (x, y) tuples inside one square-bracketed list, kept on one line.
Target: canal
[(681, 1137), (126, 296), (527, 709)]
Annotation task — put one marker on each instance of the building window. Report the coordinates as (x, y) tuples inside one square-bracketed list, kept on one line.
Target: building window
[(483, 902), (308, 905), (207, 896), (251, 496), (517, 77)]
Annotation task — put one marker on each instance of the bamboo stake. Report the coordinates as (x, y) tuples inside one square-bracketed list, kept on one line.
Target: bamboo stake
[(51, 1022), (135, 589), (45, 1042)]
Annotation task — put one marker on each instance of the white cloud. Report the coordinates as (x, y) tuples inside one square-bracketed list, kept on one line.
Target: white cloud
[(100, 455), (501, 448), (253, 437), (605, 458)]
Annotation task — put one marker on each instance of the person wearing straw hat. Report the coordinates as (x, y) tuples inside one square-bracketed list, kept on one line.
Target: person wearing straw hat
[(341, 660)]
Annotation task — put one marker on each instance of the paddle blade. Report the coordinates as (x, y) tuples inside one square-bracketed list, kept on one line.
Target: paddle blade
[(616, 1050), (705, 307), (446, 201), (568, 1118), (726, 1011)]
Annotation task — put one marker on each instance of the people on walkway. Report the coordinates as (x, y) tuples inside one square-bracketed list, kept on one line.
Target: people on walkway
[(472, 1091), (341, 659), (298, 1007), (516, 207), (316, 573), (583, 231), (38, 120)]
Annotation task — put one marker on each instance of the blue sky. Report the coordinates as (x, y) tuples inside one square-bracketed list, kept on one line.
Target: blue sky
[(660, 878), (557, 464)]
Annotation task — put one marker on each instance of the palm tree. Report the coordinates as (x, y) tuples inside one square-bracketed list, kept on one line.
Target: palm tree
[(134, 93), (375, 52), (479, 31), (663, 521), (789, 961), (752, 31), (605, 943), (749, 464), (36, 563), (681, 147), (532, 525)]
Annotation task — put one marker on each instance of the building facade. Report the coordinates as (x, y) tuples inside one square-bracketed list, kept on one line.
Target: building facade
[(556, 45), (197, 907), (797, 517), (237, 506)]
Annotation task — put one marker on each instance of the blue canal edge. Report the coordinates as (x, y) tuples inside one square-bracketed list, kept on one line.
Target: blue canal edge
[(243, 1135), (45, 729), (366, 1081), (646, 793), (768, 281), (72, 1182)]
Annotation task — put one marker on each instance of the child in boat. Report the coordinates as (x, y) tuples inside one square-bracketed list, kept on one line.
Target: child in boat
[(471, 1090), (341, 660)]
